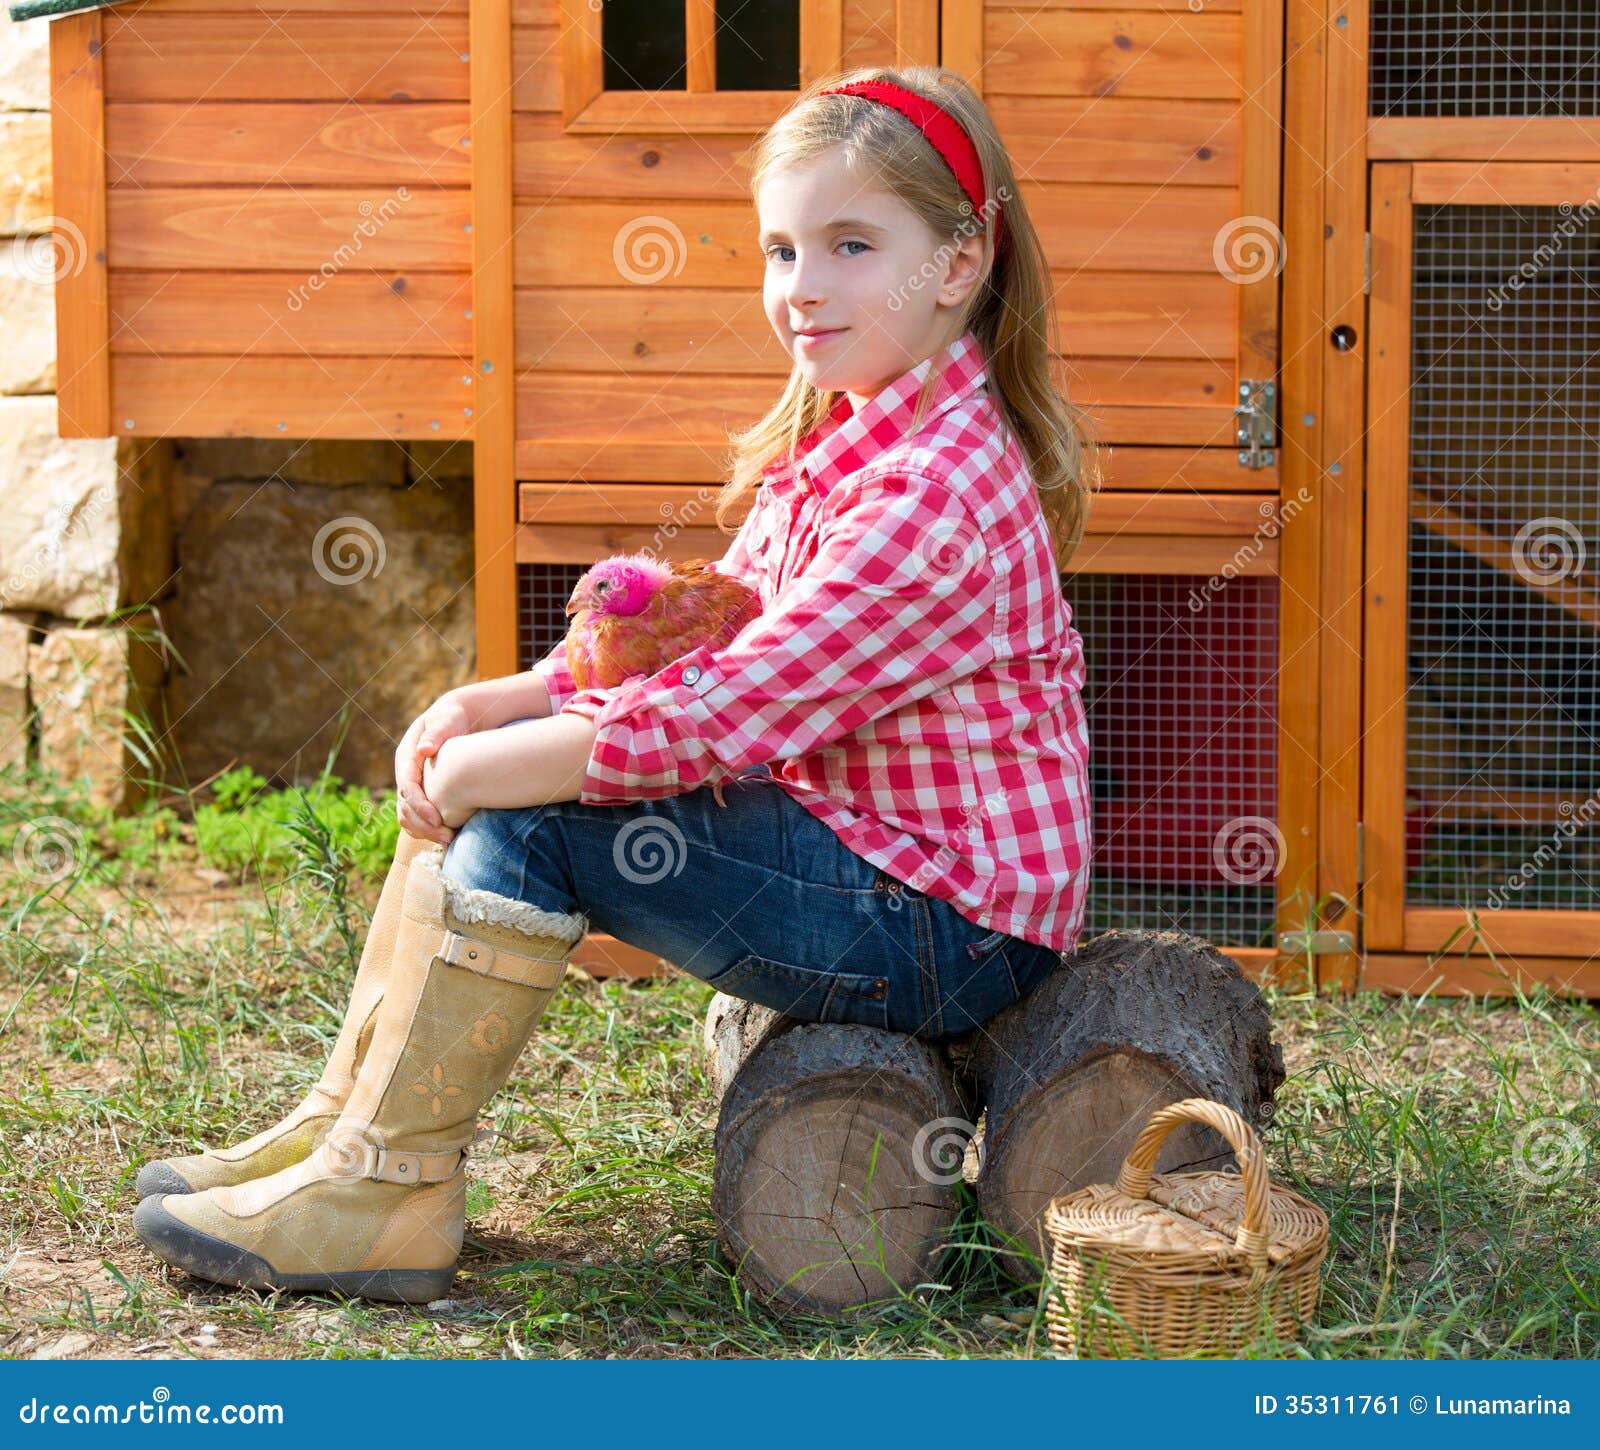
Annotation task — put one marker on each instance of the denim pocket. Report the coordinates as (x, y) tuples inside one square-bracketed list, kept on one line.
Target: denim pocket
[(809, 993), (988, 945)]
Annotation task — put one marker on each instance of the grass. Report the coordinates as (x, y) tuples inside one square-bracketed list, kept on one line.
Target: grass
[(1454, 1144)]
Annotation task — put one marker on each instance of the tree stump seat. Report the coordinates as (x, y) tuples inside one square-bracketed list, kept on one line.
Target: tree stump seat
[(839, 1147)]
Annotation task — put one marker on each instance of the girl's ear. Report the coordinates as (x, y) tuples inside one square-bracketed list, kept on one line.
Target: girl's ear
[(962, 270)]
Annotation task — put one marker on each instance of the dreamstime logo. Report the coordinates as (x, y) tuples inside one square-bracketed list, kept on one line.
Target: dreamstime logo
[(1274, 517), (1548, 550), (975, 811), (52, 256), (971, 224), (1578, 817), (1248, 849), (366, 228), (48, 850), (950, 548), (649, 249), (649, 848), (1542, 257), (676, 516), (350, 1154), (1547, 1150), (347, 550), (1247, 248), (940, 1148), (59, 524)]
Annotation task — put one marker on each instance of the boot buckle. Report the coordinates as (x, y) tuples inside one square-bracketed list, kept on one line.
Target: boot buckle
[(396, 1167), (500, 963)]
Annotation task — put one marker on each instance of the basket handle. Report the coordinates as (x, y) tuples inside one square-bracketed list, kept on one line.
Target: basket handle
[(1134, 1177)]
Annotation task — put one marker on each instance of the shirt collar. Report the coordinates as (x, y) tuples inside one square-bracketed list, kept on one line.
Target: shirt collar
[(847, 440)]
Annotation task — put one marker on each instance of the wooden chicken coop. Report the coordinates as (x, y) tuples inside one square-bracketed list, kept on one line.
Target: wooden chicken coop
[(1325, 277)]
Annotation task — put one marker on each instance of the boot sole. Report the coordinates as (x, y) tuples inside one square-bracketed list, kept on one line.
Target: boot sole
[(220, 1262)]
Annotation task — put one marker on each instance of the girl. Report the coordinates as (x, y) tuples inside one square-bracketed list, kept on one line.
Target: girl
[(899, 737)]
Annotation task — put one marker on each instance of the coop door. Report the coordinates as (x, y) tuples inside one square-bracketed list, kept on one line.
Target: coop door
[(1481, 787)]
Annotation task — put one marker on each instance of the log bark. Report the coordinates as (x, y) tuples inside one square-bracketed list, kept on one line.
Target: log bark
[(1068, 1076), (838, 1148)]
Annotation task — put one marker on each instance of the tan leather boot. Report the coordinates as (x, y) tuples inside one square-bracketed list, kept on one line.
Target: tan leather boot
[(379, 1208), (293, 1139)]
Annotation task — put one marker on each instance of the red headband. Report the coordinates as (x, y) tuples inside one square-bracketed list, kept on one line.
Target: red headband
[(946, 134)]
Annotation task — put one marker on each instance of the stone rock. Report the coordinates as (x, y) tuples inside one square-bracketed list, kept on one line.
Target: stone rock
[(27, 312), (25, 197), (84, 524), (24, 65), (298, 603), (13, 690), (97, 694), (326, 461), (69, 1346)]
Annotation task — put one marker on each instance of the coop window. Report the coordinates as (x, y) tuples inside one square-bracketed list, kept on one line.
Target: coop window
[(645, 45), (758, 45), (737, 45), (1514, 58), (1503, 680), (712, 65)]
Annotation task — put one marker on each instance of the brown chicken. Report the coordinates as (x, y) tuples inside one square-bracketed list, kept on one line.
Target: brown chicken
[(633, 615)]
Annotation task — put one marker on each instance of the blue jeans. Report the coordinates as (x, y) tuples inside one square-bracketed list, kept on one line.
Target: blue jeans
[(758, 899)]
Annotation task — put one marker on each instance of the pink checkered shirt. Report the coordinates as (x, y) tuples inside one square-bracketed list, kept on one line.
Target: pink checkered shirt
[(914, 680)]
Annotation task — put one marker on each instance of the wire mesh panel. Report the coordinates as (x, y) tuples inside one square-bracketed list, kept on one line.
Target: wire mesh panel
[(1503, 690), (1181, 695), (542, 594), (1504, 58)]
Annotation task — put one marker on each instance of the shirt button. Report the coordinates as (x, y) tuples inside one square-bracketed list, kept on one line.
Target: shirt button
[(691, 674)]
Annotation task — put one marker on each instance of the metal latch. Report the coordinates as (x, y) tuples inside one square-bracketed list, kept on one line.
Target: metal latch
[(1316, 943), (1258, 423)]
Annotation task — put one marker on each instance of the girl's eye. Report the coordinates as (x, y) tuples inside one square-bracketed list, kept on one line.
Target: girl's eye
[(779, 247)]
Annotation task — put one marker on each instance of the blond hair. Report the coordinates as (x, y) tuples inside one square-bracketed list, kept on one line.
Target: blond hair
[(1011, 311)]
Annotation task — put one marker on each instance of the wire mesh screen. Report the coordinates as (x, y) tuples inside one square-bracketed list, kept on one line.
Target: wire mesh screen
[(1181, 696), (1504, 58), (1503, 690), (542, 594)]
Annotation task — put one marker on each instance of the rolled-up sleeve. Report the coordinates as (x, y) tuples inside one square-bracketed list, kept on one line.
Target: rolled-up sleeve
[(898, 602), (557, 678)]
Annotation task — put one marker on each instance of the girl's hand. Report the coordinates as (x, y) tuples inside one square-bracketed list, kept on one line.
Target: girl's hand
[(441, 721), (441, 785)]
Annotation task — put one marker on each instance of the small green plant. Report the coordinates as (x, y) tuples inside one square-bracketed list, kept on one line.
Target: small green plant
[(247, 827)]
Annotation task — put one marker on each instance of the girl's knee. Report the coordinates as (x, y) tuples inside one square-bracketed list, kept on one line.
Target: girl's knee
[(480, 847)]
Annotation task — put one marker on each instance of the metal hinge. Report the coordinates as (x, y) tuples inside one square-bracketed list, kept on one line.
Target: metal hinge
[(1316, 943), (1258, 420), (1366, 266)]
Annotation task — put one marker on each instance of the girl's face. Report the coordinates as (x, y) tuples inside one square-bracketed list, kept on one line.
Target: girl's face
[(856, 268)]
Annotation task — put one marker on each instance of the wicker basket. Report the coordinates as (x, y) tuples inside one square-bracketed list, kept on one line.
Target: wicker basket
[(1194, 1263)]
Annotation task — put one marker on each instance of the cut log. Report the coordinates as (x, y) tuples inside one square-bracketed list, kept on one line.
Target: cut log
[(838, 1148), (1068, 1076)]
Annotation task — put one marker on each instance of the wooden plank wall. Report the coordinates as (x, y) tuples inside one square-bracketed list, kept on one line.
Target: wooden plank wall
[(1127, 125), (1131, 134), (623, 380), (288, 218)]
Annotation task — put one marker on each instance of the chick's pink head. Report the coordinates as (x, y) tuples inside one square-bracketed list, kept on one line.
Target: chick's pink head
[(623, 584)]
